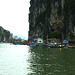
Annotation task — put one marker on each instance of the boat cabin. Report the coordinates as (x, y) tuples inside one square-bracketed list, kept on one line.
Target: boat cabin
[(53, 40)]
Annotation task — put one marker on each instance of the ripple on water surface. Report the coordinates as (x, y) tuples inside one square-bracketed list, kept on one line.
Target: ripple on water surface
[(13, 59), (52, 61), (24, 60)]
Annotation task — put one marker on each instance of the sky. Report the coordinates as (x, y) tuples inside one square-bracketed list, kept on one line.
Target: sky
[(14, 16)]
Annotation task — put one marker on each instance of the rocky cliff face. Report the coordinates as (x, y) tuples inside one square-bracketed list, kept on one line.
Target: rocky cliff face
[(69, 17), (49, 16), (37, 18), (4, 34)]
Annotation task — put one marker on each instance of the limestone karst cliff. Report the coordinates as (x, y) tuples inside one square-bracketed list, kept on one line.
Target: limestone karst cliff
[(4, 34), (69, 19), (51, 17)]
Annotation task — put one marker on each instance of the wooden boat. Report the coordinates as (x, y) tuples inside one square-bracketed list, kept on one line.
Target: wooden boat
[(71, 46), (57, 46)]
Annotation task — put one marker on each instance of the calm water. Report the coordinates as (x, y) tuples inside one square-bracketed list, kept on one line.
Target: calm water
[(24, 60)]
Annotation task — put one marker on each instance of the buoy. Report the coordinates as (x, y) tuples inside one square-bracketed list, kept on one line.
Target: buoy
[(60, 45)]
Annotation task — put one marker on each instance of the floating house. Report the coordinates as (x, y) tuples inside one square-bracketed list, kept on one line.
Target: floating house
[(38, 40), (52, 41), (11, 40)]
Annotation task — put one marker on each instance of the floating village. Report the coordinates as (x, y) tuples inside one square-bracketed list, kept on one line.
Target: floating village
[(51, 24), (37, 42), (6, 37)]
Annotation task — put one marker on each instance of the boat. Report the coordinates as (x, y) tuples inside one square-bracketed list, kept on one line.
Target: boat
[(71, 46), (57, 46)]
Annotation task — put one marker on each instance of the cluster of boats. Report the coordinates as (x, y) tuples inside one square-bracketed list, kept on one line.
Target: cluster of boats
[(52, 43), (51, 46)]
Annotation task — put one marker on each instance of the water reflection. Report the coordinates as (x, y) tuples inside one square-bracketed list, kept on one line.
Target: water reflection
[(13, 59), (24, 60), (47, 61), (60, 49)]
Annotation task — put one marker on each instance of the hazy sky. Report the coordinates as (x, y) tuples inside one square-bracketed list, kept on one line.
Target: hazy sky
[(14, 16)]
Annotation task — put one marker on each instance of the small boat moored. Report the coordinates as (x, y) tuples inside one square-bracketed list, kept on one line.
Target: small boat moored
[(71, 46)]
